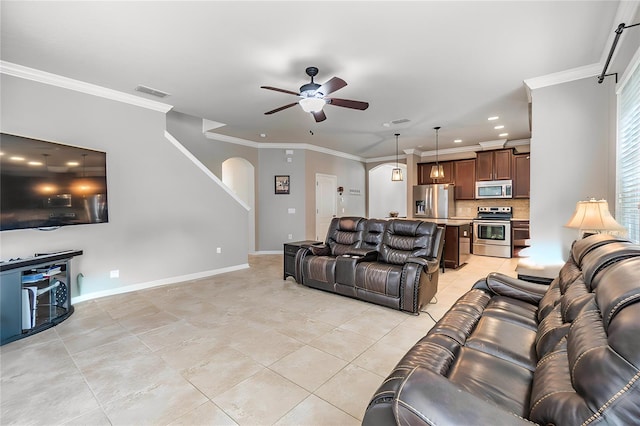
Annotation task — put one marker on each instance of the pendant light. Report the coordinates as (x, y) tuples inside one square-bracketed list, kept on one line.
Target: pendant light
[(396, 174), (437, 171)]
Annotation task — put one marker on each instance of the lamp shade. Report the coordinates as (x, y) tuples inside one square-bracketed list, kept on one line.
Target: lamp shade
[(593, 216), (437, 172), (312, 104), (396, 174)]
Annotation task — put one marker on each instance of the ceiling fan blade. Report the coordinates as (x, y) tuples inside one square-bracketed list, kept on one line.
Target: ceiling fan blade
[(319, 116), (348, 103), (331, 86), (280, 90), (280, 109)]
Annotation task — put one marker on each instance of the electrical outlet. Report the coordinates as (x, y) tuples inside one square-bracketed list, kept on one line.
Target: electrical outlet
[(290, 236), (219, 250), (114, 274)]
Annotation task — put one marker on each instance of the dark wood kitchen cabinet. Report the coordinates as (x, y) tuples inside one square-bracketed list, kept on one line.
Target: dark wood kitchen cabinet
[(519, 236), (464, 175), (494, 165), (424, 170), (521, 175)]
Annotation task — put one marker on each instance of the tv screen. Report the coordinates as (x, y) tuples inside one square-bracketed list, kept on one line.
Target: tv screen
[(45, 184)]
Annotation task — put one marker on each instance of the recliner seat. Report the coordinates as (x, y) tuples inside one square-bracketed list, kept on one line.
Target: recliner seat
[(514, 352), (391, 263)]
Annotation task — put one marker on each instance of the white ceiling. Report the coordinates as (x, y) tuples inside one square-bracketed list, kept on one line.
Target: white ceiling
[(450, 64)]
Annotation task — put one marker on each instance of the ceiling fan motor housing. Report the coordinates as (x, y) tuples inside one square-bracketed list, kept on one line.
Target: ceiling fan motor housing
[(309, 89)]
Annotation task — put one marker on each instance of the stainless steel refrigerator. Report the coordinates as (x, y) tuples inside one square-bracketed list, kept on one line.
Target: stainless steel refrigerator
[(433, 201)]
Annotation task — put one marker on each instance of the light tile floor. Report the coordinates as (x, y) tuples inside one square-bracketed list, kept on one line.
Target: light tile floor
[(244, 348)]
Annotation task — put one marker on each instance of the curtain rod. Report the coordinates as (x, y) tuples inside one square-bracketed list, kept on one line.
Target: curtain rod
[(618, 31)]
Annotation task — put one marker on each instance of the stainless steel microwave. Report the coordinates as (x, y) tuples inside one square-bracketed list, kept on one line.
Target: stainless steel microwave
[(494, 189)]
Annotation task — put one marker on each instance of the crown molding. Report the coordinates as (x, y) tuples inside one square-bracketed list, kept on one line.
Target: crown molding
[(269, 145), (412, 151), (39, 76), (563, 76), (625, 13)]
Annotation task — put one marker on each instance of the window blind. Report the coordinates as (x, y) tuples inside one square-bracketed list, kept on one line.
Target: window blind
[(628, 156)]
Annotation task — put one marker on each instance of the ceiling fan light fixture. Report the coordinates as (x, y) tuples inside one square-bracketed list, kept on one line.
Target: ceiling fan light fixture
[(312, 104)]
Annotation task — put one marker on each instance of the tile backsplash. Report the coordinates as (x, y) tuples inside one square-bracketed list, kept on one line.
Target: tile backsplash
[(469, 208)]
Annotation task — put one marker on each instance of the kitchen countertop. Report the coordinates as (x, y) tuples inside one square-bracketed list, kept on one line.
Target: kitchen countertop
[(449, 222)]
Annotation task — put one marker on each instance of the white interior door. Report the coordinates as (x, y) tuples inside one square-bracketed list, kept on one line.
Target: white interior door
[(326, 198)]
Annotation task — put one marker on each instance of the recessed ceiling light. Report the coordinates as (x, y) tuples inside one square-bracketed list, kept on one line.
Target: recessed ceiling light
[(495, 117), (457, 140), (72, 163), (34, 163), (15, 158), (502, 135), (499, 127)]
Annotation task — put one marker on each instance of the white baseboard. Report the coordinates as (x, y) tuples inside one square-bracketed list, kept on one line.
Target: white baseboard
[(157, 283)]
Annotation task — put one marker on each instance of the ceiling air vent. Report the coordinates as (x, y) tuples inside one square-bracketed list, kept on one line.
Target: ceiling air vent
[(150, 91), (400, 121)]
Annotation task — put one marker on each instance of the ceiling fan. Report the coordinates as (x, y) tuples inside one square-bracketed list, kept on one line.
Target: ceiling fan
[(314, 96)]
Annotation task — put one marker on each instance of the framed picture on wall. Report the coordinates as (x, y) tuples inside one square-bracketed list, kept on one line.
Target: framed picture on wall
[(282, 184)]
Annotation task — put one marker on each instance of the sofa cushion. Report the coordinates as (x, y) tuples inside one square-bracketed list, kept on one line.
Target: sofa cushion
[(373, 234), (493, 378), (601, 257), (345, 233), (583, 246), (408, 238), (381, 278)]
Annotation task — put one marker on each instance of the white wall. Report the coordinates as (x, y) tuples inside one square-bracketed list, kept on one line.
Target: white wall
[(239, 175), (386, 195), (166, 216), (570, 159)]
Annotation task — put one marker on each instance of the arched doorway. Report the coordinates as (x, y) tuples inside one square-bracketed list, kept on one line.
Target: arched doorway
[(386, 195), (238, 175)]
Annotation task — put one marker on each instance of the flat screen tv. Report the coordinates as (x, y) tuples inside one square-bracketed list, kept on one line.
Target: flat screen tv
[(46, 185)]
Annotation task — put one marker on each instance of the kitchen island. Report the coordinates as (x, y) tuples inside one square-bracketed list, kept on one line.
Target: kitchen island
[(457, 241)]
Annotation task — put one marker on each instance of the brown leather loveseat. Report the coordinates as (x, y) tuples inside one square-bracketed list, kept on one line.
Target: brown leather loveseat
[(391, 263), (512, 352)]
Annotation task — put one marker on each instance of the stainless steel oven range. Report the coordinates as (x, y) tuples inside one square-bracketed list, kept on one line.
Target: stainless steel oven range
[(492, 232)]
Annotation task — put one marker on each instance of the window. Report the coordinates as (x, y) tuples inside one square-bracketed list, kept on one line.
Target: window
[(628, 154)]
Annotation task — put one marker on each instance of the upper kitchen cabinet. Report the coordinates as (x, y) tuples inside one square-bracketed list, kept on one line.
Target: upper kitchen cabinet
[(521, 175), (424, 170), (494, 165), (464, 174)]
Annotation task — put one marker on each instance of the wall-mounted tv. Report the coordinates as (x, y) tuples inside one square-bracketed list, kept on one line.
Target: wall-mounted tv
[(46, 185)]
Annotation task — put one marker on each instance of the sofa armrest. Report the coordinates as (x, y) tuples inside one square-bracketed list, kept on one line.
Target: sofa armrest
[(505, 285), (366, 255), (320, 250), (429, 398), (430, 264)]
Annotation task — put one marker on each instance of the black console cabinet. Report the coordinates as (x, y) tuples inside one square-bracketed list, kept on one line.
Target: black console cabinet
[(35, 294), (290, 250)]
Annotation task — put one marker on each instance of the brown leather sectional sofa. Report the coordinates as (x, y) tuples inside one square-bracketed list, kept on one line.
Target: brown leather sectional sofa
[(512, 352), (392, 263)]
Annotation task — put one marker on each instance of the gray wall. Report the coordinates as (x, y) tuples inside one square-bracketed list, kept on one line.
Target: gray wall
[(350, 174), (275, 223), (165, 215), (570, 158), (212, 153)]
